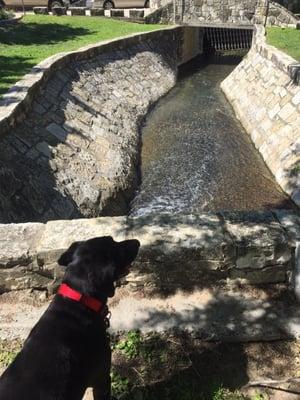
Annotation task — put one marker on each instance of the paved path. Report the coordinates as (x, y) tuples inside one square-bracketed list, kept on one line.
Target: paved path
[(210, 314)]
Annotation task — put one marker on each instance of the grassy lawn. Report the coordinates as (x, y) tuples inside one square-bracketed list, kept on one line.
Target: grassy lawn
[(286, 39), (38, 37)]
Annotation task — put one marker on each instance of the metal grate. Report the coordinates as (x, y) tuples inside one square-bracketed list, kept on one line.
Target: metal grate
[(216, 38)]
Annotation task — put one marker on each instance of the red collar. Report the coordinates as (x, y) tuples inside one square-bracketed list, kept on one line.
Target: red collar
[(90, 302)]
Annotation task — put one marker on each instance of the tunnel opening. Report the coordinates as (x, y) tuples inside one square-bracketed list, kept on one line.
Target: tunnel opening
[(226, 39)]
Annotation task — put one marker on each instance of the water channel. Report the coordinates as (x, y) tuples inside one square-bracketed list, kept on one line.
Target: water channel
[(196, 156)]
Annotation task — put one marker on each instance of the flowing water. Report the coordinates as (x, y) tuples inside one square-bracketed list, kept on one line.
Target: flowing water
[(195, 154)]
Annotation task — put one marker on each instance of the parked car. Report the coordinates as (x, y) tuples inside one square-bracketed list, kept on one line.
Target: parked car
[(17, 4), (108, 4)]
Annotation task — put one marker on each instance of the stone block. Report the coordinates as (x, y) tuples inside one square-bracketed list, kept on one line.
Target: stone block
[(44, 148), (77, 10), (19, 278), (59, 235), (178, 251), (296, 196), (296, 99), (267, 275), (259, 240), (41, 10), (57, 131), (116, 13), (286, 111), (290, 222), (58, 11), (182, 239), (275, 110), (136, 13), (97, 12), (18, 243)]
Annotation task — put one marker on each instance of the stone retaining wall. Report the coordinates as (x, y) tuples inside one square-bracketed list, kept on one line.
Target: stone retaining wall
[(264, 91), (242, 12), (280, 16), (182, 251), (291, 5), (69, 130)]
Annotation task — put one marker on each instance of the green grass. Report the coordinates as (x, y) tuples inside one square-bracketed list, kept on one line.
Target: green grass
[(286, 39), (38, 37), (8, 352)]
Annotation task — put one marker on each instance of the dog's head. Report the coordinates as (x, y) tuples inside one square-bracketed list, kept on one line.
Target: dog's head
[(95, 264)]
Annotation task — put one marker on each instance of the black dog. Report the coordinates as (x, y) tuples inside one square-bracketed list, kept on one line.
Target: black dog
[(68, 350)]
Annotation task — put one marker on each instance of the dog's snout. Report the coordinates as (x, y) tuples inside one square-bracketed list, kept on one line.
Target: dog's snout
[(129, 249)]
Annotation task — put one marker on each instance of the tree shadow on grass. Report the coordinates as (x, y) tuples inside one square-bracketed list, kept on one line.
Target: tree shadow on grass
[(11, 69), (40, 34)]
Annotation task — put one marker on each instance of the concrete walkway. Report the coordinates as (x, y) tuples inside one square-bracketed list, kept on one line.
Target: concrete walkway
[(211, 314)]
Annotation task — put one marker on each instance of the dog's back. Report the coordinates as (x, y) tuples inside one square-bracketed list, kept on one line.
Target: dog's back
[(68, 350), (65, 365)]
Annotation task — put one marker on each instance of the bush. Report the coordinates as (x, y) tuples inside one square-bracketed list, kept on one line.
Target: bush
[(5, 14)]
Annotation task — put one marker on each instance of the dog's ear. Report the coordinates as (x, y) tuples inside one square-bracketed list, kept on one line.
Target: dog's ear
[(67, 257)]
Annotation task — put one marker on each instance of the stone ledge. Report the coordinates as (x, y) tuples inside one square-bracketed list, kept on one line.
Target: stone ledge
[(179, 251)]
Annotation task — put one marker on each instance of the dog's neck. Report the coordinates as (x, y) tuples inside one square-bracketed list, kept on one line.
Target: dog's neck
[(85, 290), (90, 302)]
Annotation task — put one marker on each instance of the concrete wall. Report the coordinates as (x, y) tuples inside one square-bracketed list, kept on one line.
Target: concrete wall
[(181, 252), (70, 129), (265, 94), (192, 44)]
